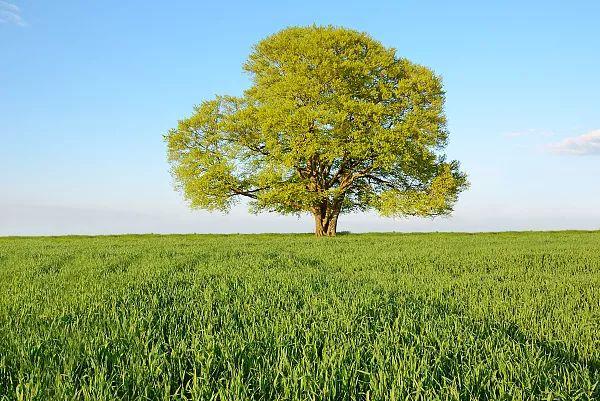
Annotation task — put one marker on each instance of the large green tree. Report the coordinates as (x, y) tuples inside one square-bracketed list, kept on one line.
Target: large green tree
[(333, 122)]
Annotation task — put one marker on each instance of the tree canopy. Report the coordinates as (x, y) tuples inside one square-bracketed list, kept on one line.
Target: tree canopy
[(333, 122)]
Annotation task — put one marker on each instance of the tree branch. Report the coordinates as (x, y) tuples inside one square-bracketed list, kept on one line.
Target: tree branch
[(249, 193), (381, 181)]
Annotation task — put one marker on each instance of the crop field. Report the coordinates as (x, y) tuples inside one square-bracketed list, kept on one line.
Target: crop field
[(509, 316)]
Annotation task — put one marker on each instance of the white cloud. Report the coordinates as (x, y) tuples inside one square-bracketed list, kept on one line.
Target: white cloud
[(11, 14), (587, 144)]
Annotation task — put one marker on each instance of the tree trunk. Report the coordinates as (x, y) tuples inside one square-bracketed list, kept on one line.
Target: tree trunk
[(326, 221), (320, 229), (332, 226)]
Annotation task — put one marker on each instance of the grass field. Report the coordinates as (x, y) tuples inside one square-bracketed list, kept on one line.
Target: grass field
[(374, 317)]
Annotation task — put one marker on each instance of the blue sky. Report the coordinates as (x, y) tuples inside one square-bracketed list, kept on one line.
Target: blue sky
[(87, 89)]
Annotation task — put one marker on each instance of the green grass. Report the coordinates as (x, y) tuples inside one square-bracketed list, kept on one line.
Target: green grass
[(373, 317)]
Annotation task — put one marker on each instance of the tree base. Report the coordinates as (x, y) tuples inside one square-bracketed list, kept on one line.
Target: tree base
[(326, 221)]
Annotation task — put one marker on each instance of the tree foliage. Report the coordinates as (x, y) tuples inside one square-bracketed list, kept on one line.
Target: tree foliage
[(333, 122)]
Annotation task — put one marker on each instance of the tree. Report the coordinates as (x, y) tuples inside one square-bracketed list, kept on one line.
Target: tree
[(333, 122)]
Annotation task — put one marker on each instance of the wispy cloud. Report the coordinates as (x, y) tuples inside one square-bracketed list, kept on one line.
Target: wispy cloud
[(582, 145), (11, 14)]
